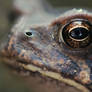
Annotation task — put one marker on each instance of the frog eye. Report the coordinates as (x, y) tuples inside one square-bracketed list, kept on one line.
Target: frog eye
[(77, 33)]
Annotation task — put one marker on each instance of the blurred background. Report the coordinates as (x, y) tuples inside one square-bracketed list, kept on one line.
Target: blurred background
[(10, 82)]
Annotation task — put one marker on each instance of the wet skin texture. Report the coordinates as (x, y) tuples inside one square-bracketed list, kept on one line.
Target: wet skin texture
[(45, 47)]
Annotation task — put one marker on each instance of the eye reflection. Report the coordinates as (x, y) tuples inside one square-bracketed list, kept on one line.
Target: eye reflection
[(77, 33)]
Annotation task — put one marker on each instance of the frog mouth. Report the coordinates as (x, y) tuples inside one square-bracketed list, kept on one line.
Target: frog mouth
[(53, 75)]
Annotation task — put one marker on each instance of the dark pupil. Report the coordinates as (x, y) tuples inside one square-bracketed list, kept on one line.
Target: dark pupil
[(79, 33), (28, 33)]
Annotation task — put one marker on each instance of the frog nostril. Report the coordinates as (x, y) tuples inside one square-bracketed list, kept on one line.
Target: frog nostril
[(29, 34)]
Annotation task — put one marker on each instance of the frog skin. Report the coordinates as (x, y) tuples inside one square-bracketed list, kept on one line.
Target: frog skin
[(45, 46)]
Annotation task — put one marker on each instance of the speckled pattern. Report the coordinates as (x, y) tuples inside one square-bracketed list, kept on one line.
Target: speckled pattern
[(44, 50)]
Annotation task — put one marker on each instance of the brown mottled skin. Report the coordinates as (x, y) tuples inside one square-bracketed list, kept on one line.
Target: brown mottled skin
[(43, 49)]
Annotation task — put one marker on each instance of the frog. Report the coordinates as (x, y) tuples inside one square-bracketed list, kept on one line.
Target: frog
[(56, 47)]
